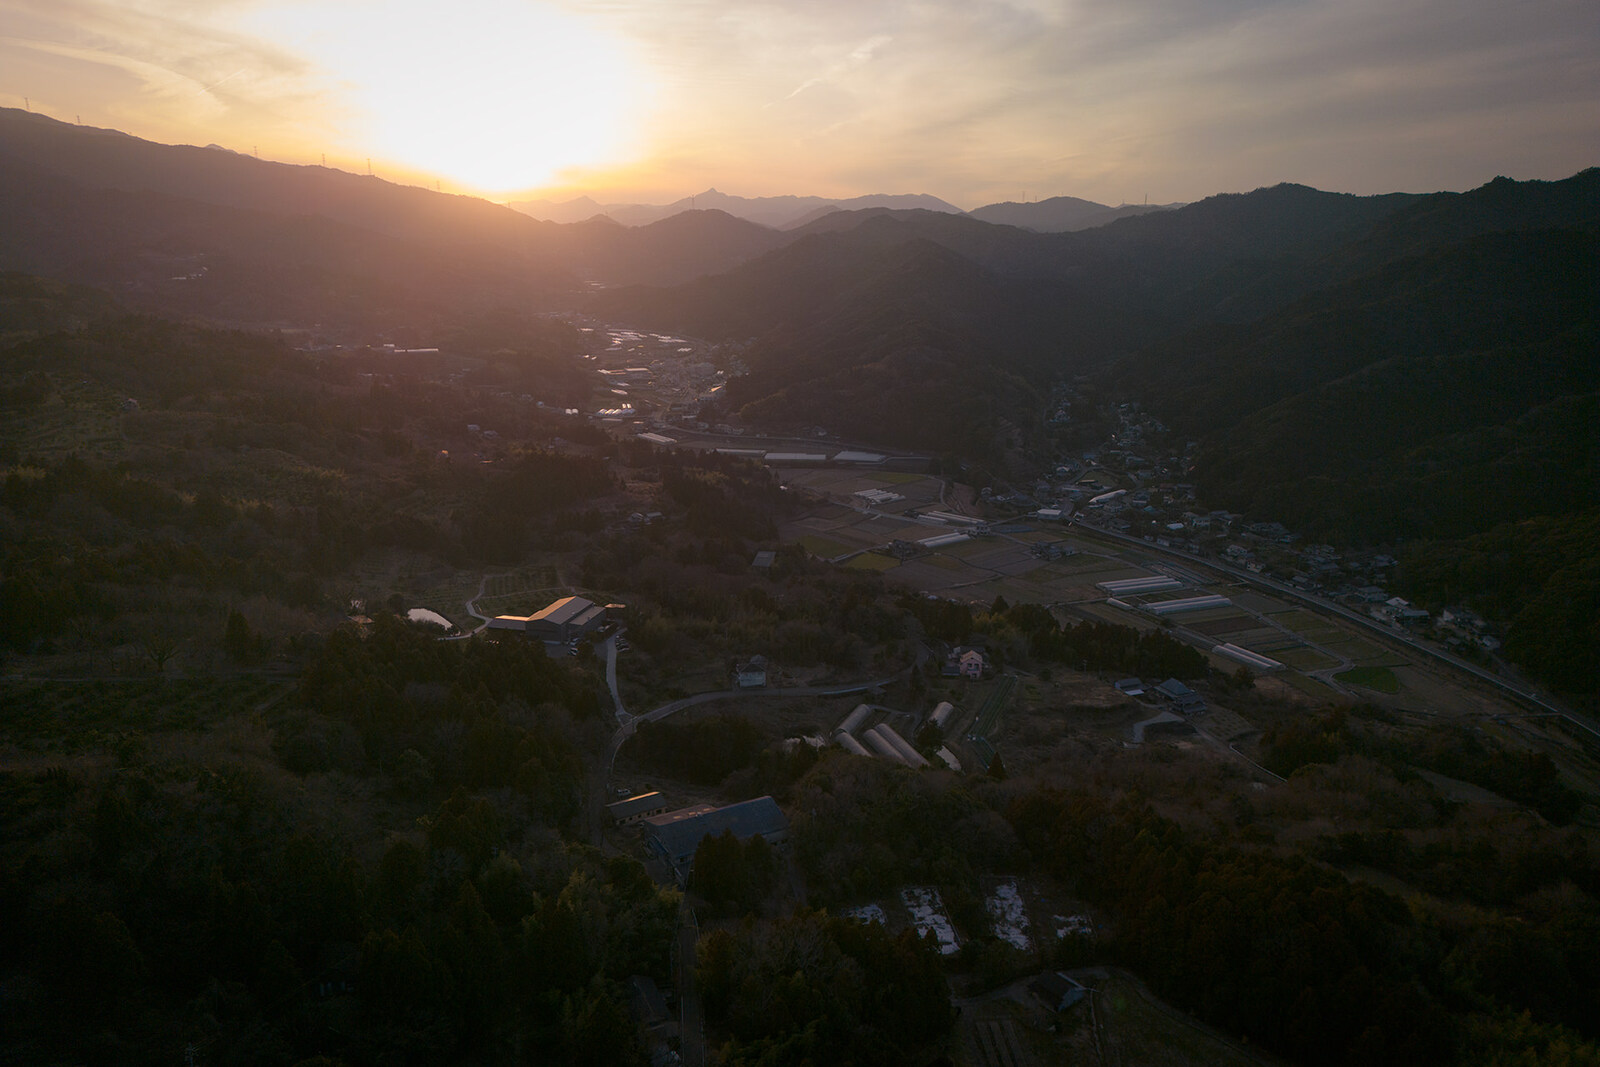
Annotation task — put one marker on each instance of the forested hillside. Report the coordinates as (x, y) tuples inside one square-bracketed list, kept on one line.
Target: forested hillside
[(1417, 401), (1363, 370)]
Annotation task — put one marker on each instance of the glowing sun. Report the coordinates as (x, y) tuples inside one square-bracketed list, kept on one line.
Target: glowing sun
[(498, 95)]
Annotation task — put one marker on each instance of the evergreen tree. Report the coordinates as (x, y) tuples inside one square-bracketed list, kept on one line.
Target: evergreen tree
[(238, 640)]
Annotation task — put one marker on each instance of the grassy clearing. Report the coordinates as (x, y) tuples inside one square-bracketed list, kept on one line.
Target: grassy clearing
[(1138, 1031), (1366, 655), (1348, 645), (1381, 679)]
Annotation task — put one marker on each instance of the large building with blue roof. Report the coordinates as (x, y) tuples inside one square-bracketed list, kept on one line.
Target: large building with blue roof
[(675, 835)]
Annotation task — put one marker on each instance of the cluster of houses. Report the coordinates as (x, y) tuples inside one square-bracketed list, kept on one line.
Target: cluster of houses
[(1178, 696)]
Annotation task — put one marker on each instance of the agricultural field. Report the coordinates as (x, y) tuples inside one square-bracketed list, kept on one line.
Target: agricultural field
[(1119, 1021), (872, 561), (824, 547), (978, 570), (1302, 659), (68, 717)]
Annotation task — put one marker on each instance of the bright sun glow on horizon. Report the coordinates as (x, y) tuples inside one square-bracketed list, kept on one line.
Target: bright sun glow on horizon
[(498, 96), (976, 103)]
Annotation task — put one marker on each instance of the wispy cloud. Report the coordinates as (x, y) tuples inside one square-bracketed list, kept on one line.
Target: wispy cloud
[(974, 99), (857, 56), (179, 64)]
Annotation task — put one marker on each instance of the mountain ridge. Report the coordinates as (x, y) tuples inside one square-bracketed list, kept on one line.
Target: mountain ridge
[(778, 212)]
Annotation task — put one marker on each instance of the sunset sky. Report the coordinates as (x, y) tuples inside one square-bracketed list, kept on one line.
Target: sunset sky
[(971, 100)]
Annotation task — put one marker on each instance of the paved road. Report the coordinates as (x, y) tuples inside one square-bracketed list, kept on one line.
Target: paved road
[(611, 676), (472, 609), (627, 724), (691, 1021), (691, 1017)]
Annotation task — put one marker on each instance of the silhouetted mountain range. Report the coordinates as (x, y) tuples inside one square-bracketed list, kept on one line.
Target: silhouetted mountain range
[(1058, 214), (208, 232), (779, 212), (1061, 214)]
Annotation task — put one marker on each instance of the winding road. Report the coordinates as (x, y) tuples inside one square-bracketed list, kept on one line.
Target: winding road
[(472, 609), (691, 1022)]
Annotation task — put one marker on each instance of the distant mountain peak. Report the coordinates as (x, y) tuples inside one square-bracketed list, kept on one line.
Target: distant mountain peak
[(778, 212), (1060, 214)]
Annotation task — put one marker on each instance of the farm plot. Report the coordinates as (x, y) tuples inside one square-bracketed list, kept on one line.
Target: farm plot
[(1227, 624), (1259, 603), (1084, 565), (1220, 722), (872, 561), (1300, 620), (882, 530), (1106, 613), (1009, 915), (1381, 679), (825, 547), (926, 908), (1304, 659)]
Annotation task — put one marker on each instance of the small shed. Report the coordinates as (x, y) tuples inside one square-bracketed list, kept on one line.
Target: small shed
[(1057, 990), (1181, 697), (752, 674)]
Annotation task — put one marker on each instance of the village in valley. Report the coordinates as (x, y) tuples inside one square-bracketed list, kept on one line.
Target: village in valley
[(822, 624), (1109, 538)]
